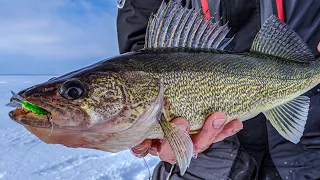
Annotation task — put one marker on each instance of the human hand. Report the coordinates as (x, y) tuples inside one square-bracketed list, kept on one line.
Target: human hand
[(214, 130), (319, 47)]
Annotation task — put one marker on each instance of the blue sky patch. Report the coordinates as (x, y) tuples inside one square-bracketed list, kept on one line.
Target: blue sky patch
[(54, 37)]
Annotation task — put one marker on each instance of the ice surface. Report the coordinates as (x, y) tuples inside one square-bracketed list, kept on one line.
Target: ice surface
[(45, 161)]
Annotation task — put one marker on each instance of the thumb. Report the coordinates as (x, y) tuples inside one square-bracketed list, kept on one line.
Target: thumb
[(142, 149)]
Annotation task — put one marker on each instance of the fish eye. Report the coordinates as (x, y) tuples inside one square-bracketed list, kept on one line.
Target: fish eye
[(72, 89)]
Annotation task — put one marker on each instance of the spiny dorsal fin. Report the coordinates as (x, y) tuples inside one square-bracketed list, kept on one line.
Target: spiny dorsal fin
[(177, 26), (277, 39), (290, 118)]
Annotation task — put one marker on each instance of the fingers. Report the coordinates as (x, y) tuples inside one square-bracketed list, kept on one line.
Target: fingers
[(142, 149), (161, 147), (156, 145), (214, 130), (229, 129), (319, 47), (165, 153), (210, 131)]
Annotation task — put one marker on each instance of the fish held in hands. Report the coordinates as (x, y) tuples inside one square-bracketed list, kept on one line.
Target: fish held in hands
[(185, 70)]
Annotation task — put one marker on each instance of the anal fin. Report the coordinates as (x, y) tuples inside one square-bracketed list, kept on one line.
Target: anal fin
[(289, 119)]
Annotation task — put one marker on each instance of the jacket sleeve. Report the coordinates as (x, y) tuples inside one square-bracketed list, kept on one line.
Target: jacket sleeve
[(132, 22), (222, 160)]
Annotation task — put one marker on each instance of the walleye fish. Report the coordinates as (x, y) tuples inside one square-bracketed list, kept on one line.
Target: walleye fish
[(117, 103)]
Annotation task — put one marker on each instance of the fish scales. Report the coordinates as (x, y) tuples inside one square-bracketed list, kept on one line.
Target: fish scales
[(236, 84)]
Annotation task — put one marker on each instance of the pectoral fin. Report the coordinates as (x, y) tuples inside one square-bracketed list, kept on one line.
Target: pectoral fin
[(180, 143), (290, 118)]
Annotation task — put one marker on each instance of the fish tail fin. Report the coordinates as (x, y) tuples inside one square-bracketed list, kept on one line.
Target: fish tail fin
[(289, 119), (180, 143)]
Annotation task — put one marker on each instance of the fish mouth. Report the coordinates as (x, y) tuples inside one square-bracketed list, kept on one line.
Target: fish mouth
[(27, 117)]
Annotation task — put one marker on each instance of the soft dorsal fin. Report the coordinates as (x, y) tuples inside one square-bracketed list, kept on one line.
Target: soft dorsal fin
[(176, 26), (277, 39)]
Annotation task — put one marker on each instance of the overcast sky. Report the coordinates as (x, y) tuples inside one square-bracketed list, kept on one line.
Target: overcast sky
[(56, 36)]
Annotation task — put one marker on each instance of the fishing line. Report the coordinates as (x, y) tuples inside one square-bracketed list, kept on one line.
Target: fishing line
[(170, 173), (15, 173), (50, 120), (145, 162)]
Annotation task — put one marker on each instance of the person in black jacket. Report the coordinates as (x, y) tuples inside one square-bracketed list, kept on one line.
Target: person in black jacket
[(257, 151)]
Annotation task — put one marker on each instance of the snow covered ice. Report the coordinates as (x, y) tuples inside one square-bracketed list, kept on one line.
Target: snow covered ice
[(53, 162)]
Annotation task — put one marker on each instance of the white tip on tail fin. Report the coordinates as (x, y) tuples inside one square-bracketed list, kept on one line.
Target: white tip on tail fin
[(289, 119)]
